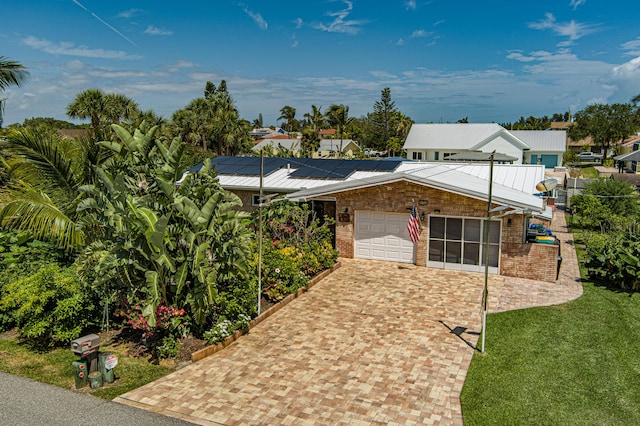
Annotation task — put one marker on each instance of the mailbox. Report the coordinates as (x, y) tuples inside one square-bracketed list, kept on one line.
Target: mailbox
[(85, 345)]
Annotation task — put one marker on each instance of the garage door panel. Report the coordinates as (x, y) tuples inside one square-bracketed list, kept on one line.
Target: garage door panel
[(382, 236)]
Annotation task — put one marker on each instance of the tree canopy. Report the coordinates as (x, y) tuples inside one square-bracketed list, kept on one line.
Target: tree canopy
[(608, 125)]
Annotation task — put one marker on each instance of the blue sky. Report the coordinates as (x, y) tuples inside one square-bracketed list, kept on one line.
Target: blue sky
[(443, 60)]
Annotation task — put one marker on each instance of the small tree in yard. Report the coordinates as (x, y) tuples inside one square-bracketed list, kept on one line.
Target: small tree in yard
[(607, 125)]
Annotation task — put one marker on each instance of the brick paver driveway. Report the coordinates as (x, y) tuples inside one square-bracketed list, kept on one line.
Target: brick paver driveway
[(373, 343), (370, 344)]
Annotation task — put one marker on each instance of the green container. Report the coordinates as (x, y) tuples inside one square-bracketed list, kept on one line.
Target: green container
[(80, 373), (107, 373), (95, 380)]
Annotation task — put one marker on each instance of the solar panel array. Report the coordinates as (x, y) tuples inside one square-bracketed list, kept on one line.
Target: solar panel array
[(310, 168)]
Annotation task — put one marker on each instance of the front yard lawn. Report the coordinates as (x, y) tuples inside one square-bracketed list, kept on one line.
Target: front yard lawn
[(54, 367), (575, 363)]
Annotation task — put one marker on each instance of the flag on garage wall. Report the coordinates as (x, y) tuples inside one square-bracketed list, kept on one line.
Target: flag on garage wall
[(414, 225)]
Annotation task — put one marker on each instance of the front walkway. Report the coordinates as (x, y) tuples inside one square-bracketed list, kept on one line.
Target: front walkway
[(373, 343)]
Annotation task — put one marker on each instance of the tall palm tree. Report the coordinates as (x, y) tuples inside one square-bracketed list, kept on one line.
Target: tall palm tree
[(338, 116), (316, 117), (12, 73), (288, 113), (102, 108)]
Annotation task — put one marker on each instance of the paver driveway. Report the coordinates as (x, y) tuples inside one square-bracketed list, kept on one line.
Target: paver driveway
[(373, 343), (369, 344)]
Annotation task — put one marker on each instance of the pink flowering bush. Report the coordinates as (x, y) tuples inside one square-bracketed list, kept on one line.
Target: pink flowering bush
[(170, 320)]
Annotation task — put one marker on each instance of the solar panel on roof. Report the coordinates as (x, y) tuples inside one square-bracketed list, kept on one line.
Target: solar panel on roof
[(302, 167)]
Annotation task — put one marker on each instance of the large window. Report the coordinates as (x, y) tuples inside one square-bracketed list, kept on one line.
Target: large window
[(458, 243)]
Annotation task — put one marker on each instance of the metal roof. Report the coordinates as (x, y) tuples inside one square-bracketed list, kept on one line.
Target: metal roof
[(461, 136), (307, 178), (438, 176), (453, 136), (629, 156), (543, 140), (521, 177)]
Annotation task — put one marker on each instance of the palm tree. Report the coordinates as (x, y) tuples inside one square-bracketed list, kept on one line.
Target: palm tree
[(288, 113), (103, 109), (316, 118), (12, 73), (338, 116), (44, 191)]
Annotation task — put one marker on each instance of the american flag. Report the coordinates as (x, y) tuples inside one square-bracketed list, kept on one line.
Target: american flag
[(414, 226)]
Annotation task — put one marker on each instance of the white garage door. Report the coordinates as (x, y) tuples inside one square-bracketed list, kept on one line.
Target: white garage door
[(382, 236)]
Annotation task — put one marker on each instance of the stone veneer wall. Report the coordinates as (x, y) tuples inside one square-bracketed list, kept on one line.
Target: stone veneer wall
[(245, 196), (534, 261)]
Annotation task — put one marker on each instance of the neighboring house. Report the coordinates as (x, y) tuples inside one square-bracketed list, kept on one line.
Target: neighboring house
[(331, 147), (266, 132), (545, 147), (328, 148), (274, 145), (436, 142), (370, 201)]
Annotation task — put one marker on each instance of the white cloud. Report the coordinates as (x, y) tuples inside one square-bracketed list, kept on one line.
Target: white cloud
[(576, 3), (572, 30), (299, 23), (632, 47), (411, 5), (400, 42), (626, 80), (257, 18), (70, 49), (128, 14), (340, 23), (155, 31), (420, 34)]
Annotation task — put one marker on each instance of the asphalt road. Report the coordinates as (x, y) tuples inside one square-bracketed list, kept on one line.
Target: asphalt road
[(26, 402)]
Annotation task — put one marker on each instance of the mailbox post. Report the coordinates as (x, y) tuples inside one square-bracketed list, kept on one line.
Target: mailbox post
[(87, 347)]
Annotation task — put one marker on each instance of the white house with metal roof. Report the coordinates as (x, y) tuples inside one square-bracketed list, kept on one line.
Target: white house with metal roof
[(436, 142)]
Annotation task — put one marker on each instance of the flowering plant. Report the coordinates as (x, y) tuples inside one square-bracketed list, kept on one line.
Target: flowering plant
[(169, 319)]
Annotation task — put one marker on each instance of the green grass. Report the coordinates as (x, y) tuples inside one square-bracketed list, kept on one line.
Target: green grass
[(571, 364), (589, 172), (54, 367)]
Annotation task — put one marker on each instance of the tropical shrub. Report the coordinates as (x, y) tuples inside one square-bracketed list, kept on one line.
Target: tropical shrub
[(603, 203), (51, 306), (298, 247), (168, 347), (611, 255), (614, 258), (20, 256), (282, 272), (158, 237)]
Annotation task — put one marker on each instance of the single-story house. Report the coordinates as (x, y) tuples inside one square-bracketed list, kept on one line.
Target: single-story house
[(436, 142), (328, 148), (371, 200)]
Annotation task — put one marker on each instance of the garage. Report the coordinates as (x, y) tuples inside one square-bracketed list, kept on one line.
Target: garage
[(382, 236)]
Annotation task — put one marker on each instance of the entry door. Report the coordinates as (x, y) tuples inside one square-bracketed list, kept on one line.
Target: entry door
[(382, 236), (458, 243)]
